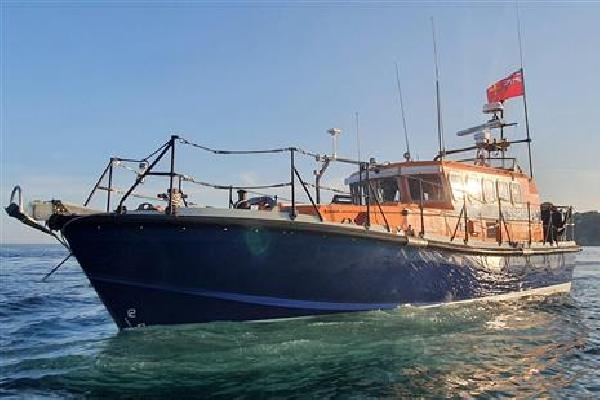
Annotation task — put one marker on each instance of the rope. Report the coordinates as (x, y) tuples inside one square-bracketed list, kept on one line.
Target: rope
[(267, 151), (188, 178), (278, 197), (127, 167), (310, 154), (155, 152), (53, 270), (328, 188), (219, 187), (146, 197), (139, 196), (308, 194), (216, 151), (13, 210)]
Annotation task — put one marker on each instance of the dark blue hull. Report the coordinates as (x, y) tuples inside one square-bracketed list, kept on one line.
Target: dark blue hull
[(150, 269)]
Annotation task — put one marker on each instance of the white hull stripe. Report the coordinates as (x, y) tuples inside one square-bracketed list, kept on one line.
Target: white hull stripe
[(326, 306)]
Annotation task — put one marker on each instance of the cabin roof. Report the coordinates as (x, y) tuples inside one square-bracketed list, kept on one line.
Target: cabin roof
[(429, 167)]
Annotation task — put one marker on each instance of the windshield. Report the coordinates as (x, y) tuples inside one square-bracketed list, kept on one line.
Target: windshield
[(429, 186)]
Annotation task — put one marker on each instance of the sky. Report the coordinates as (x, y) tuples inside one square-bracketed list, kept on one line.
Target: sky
[(84, 81)]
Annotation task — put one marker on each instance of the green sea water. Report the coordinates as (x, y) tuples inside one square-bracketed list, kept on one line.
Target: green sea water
[(57, 340)]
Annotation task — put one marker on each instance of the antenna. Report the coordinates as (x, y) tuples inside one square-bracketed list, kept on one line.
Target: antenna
[(357, 135), (437, 94), (407, 154), (524, 90)]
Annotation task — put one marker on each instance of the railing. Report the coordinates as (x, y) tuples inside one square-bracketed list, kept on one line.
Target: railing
[(155, 157), (174, 195), (557, 229), (494, 162)]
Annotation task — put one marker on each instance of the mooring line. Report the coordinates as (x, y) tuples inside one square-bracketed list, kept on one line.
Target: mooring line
[(56, 268)]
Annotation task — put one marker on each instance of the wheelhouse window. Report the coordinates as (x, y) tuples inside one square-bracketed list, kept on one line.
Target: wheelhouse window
[(388, 189), (516, 193), (356, 193), (458, 187), (474, 188), (503, 191), (489, 191), (431, 184), (382, 189)]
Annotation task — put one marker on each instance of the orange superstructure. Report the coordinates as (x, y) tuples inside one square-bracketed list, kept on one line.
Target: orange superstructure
[(432, 198)]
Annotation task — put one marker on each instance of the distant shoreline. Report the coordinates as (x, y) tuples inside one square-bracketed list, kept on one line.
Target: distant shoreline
[(587, 228)]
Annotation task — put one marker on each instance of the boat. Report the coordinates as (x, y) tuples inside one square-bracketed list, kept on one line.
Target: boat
[(409, 233)]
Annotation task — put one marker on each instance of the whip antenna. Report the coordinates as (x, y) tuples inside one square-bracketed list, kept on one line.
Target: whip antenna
[(357, 135), (442, 149), (524, 90), (407, 154)]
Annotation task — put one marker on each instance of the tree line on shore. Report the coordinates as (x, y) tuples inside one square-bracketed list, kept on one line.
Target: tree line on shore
[(587, 228)]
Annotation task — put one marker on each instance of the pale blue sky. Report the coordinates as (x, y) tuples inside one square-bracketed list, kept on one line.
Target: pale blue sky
[(82, 81)]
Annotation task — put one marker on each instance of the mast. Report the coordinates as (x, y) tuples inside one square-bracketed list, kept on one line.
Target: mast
[(437, 95), (528, 140), (407, 154), (360, 192), (357, 135)]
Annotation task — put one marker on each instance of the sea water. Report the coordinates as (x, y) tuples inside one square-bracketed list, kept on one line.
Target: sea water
[(57, 340)]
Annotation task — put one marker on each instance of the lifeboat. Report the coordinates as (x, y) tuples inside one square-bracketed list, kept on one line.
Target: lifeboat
[(410, 233)]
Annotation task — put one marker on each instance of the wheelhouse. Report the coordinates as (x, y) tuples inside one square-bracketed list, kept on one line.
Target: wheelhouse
[(410, 183), (442, 184)]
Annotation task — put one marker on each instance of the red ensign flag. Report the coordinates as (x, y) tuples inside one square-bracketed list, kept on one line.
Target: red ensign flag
[(511, 86)]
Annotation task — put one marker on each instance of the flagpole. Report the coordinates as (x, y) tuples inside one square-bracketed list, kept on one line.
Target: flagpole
[(527, 124), (524, 91)]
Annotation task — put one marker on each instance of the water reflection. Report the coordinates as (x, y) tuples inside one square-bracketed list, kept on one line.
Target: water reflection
[(522, 352), (56, 339), (465, 351)]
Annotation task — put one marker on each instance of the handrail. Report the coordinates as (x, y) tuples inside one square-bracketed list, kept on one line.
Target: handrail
[(102, 175), (475, 159), (109, 169), (364, 170), (551, 232), (144, 174), (292, 185), (572, 222), (110, 182), (17, 189), (161, 151)]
